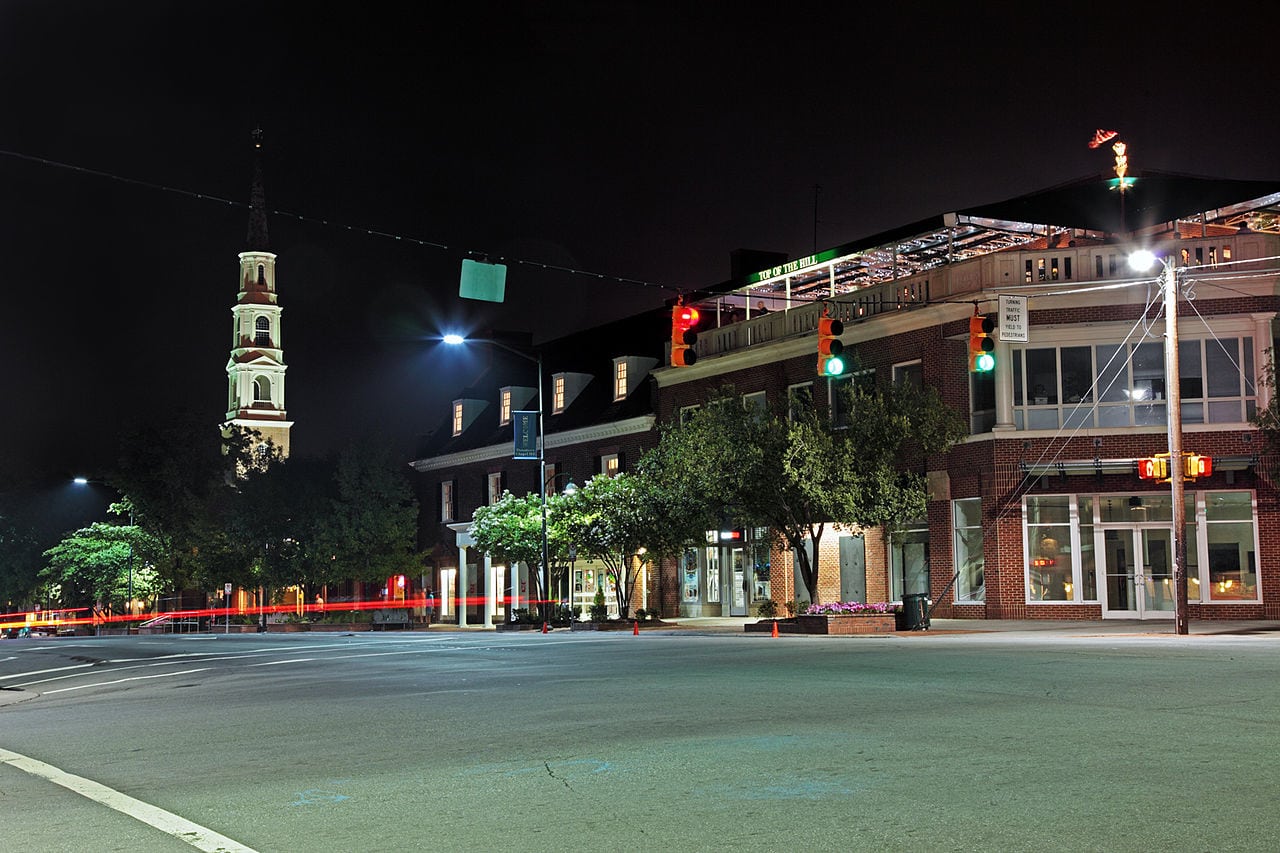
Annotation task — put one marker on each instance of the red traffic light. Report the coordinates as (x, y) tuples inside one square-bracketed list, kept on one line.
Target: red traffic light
[(683, 337)]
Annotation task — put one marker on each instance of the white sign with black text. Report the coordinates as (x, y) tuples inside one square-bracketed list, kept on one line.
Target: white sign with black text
[(1012, 325)]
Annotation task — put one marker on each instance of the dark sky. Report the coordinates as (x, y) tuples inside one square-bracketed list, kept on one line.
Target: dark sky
[(606, 137)]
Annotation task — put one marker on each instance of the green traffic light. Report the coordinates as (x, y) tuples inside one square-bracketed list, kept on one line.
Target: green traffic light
[(985, 363), (834, 366)]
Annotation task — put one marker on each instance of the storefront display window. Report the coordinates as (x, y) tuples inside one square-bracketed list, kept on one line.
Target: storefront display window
[(1232, 555), (967, 524)]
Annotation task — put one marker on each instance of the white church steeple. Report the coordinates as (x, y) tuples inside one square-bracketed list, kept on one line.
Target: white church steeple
[(255, 371)]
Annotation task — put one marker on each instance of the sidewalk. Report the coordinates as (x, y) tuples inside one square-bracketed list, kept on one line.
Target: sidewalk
[(1206, 627)]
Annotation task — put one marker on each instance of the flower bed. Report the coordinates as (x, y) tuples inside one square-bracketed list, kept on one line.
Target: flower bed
[(848, 617)]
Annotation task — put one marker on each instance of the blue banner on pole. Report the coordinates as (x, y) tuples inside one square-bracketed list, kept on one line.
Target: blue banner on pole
[(525, 427)]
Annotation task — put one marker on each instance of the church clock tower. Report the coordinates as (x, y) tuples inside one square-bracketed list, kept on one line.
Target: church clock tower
[(255, 371)]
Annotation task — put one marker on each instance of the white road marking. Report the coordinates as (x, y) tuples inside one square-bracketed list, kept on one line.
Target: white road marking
[(169, 823), (122, 681), (278, 662), (43, 671)]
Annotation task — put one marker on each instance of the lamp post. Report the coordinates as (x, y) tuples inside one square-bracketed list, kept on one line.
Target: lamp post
[(456, 340), (1142, 260)]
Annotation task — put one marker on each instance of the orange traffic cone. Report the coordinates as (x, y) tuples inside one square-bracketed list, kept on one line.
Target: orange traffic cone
[(635, 629), (544, 627), (775, 627)]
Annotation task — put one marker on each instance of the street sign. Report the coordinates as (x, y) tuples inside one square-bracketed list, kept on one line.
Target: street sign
[(1013, 319), (226, 587)]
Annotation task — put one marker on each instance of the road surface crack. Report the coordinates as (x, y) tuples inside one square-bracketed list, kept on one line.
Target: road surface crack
[(553, 775)]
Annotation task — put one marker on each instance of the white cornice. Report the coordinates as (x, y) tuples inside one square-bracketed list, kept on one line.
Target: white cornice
[(584, 435)]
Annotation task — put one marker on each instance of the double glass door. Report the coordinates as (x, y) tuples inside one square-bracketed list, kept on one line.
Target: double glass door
[(1138, 562)]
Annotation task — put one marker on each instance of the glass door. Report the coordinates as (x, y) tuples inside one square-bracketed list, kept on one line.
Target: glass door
[(1138, 564), (738, 564)]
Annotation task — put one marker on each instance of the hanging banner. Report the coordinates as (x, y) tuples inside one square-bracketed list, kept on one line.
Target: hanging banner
[(525, 427)]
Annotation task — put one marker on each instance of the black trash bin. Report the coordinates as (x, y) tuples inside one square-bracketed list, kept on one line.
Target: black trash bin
[(914, 615)]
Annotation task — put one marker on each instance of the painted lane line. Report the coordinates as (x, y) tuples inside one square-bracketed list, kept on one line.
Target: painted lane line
[(279, 662), (44, 671), (199, 837), (122, 681)]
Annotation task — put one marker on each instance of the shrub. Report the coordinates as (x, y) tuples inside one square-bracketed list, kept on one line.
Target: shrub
[(599, 612), (767, 608)]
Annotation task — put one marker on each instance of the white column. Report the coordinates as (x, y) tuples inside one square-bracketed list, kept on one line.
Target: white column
[(1004, 387), (1261, 343), (462, 586), (490, 593)]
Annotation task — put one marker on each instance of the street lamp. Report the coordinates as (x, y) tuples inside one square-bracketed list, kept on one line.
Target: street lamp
[(1142, 260), (457, 340)]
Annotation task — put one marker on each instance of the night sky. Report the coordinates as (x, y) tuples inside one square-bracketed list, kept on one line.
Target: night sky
[(601, 137)]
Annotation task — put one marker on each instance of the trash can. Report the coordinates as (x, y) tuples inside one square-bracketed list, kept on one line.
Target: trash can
[(914, 615)]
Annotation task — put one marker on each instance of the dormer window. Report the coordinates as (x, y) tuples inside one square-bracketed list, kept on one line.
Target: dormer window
[(464, 413), (620, 379), (504, 407), (557, 394), (628, 372)]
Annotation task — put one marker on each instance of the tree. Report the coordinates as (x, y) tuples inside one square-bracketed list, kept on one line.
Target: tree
[(614, 520), (177, 472), (510, 531), (102, 563), (375, 520), (19, 564), (797, 472)]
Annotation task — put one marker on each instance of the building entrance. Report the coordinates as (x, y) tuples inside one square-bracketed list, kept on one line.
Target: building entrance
[(1138, 565)]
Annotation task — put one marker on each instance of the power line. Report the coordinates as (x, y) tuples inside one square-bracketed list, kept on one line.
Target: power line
[(313, 220)]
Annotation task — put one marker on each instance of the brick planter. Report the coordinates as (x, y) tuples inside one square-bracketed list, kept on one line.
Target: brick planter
[(844, 625)]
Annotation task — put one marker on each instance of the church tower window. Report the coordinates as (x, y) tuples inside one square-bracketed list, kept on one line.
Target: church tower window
[(262, 390), (262, 332)]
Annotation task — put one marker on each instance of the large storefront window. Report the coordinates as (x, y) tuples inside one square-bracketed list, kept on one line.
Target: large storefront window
[(909, 560), (1230, 547), (1051, 574), (1064, 533), (1123, 385), (966, 519)]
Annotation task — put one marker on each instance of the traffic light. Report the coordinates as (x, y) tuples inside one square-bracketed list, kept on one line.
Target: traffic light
[(1153, 468), (981, 345), (1195, 466), (683, 337), (830, 346)]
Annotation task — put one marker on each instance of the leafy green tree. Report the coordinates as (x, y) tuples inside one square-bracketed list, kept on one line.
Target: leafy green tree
[(510, 530), (177, 472), (102, 563), (284, 513), (375, 519), (615, 520), (19, 561), (799, 473)]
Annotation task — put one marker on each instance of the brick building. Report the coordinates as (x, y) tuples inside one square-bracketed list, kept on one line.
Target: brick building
[(1040, 513)]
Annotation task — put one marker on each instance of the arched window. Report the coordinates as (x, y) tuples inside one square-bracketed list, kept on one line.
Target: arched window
[(262, 332), (262, 390)]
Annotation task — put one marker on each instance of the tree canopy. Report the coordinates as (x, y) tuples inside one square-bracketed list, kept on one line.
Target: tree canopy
[(796, 471)]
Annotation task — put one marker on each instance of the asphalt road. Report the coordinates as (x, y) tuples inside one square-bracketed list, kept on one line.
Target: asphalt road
[(669, 740)]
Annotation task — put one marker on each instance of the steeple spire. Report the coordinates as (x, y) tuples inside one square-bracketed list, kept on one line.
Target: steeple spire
[(256, 241)]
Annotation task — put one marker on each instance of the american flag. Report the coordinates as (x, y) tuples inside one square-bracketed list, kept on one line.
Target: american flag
[(1102, 137)]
